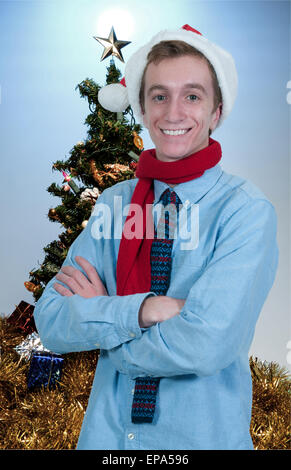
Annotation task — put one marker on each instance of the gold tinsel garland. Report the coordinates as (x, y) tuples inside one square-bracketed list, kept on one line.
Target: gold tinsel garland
[(44, 419), (270, 423), (52, 419)]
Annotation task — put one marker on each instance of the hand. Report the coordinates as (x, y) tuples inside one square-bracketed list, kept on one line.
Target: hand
[(157, 309), (78, 282)]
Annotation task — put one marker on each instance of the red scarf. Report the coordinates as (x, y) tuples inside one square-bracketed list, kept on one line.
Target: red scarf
[(133, 270)]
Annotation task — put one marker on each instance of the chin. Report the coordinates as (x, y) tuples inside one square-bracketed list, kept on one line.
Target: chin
[(169, 151)]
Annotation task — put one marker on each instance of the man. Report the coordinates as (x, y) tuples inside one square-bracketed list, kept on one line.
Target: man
[(173, 319)]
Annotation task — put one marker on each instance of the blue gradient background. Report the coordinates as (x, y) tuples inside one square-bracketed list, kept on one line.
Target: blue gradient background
[(47, 48)]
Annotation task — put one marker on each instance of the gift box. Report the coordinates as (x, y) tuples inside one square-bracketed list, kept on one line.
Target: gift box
[(45, 371), (30, 345), (22, 318)]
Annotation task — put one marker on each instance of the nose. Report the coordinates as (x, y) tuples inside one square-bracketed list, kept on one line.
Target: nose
[(175, 111)]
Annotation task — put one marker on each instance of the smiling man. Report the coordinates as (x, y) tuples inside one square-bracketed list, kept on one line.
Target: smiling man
[(179, 109), (173, 324)]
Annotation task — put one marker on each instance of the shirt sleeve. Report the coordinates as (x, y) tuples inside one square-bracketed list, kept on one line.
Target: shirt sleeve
[(75, 323), (218, 319)]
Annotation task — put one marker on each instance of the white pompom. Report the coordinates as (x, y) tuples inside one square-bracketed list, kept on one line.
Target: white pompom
[(113, 97)]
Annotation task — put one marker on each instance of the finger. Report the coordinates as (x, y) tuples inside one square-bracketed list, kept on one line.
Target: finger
[(76, 274), (89, 269), (70, 282), (62, 290)]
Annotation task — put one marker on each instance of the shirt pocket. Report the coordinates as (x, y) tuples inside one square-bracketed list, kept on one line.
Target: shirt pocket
[(186, 270)]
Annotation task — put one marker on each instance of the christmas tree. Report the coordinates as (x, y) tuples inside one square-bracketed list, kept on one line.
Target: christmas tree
[(106, 157), (48, 413)]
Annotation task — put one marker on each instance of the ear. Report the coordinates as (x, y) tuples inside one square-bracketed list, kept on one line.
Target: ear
[(215, 117)]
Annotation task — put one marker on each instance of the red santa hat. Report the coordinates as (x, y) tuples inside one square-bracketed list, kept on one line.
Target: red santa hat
[(118, 96)]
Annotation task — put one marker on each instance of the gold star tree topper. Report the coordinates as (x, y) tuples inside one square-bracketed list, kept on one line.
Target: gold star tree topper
[(112, 46)]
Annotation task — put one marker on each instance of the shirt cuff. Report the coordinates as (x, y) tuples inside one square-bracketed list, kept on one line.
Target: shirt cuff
[(127, 326)]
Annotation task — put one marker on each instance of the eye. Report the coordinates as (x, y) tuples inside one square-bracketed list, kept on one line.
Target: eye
[(159, 98), (192, 97)]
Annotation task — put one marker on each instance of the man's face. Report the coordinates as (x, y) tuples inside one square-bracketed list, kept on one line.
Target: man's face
[(178, 107)]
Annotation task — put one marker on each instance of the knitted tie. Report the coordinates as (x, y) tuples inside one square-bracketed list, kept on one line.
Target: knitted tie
[(145, 392)]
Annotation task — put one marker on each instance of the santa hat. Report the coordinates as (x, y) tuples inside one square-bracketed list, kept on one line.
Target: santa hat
[(118, 96)]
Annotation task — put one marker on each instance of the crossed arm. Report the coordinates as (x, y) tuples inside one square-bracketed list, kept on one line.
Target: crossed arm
[(153, 310), (202, 334)]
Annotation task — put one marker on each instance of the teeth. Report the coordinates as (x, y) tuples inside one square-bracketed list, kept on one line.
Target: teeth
[(177, 132)]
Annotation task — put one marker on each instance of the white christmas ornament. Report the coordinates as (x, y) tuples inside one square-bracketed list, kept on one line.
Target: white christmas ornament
[(113, 97), (90, 194), (84, 223)]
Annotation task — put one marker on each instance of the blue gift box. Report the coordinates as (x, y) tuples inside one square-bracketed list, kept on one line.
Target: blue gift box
[(45, 371)]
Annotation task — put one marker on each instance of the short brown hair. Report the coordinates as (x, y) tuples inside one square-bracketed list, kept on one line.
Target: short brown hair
[(169, 49)]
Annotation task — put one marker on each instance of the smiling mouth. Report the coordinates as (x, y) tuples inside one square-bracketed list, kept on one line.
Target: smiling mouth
[(175, 132)]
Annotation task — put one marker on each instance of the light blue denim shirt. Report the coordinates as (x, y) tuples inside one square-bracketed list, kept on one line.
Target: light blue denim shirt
[(205, 394)]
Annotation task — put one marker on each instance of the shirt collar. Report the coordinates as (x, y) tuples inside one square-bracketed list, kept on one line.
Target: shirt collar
[(193, 190)]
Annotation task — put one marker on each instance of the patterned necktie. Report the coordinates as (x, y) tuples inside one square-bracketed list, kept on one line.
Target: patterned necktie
[(145, 392)]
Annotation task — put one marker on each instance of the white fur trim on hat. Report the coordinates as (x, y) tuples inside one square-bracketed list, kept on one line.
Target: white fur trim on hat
[(220, 59)]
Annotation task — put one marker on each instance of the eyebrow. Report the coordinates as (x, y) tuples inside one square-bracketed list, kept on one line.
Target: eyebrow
[(187, 86)]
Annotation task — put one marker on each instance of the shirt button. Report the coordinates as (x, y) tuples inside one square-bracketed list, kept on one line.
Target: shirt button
[(130, 436), (132, 391), (97, 344), (131, 334)]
